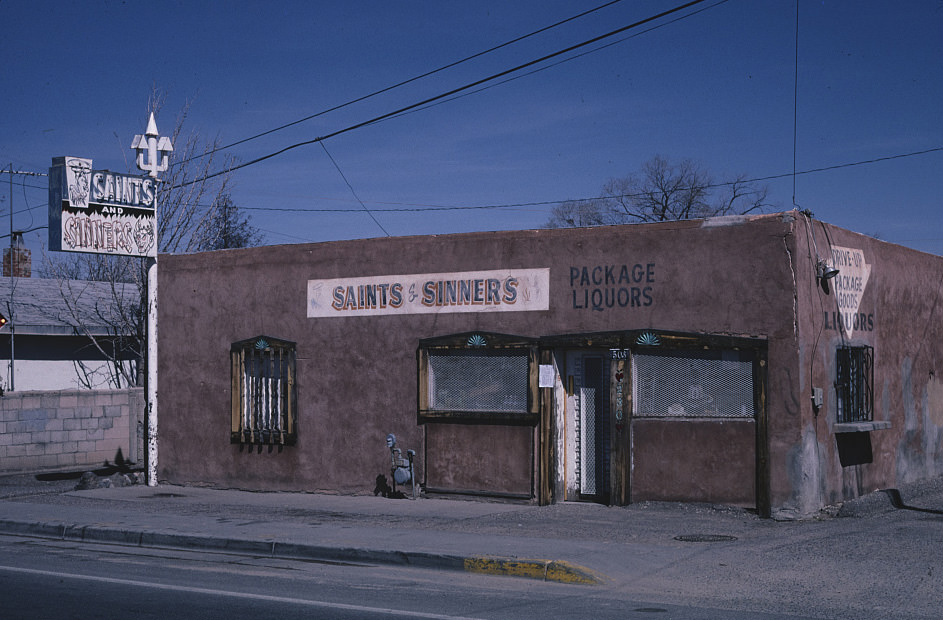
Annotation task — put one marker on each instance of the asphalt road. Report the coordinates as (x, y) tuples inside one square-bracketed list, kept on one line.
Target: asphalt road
[(881, 560), (44, 579)]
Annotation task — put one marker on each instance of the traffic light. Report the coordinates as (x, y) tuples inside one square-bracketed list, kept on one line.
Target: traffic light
[(3, 320)]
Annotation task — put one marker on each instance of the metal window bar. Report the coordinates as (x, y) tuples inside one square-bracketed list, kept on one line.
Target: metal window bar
[(854, 384), (265, 391)]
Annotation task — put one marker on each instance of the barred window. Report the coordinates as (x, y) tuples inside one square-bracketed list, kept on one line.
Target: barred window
[(694, 384), (854, 384), (477, 377), (263, 391)]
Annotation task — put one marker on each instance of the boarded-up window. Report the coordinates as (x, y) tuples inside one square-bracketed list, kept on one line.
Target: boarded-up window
[(263, 391), (694, 384)]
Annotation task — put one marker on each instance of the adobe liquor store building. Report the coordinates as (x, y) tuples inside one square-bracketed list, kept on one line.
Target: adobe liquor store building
[(719, 360)]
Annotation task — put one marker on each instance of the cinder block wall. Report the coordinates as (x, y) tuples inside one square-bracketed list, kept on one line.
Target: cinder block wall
[(70, 429)]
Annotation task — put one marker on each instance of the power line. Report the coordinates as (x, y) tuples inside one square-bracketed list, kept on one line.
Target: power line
[(404, 82), (773, 177), (29, 230), (426, 208), (565, 60), (875, 160), (26, 173), (795, 111), (351, 187), (454, 91)]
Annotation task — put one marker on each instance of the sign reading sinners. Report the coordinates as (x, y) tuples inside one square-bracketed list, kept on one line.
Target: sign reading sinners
[(502, 290), (99, 211)]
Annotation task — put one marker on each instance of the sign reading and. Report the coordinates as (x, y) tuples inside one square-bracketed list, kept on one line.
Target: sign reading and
[(100, 212)]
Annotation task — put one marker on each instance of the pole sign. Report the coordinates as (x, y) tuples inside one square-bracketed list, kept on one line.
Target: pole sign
[(100, 212)]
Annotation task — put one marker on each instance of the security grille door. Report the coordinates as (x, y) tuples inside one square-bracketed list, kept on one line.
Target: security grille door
[(588, 441), (668, 417), (594, 429)]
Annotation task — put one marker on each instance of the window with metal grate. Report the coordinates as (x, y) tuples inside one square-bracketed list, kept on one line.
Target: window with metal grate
[(263, 391), (694, 384), (476, 382), (480, 377), (854, 383)]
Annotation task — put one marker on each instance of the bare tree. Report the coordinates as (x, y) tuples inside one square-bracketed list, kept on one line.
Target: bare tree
[(229, 228), (577, 214), (105, 299), (195, 212), (662, 191), (188, 198)]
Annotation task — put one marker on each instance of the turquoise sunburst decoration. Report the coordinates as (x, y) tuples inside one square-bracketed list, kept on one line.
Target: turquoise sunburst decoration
[(476, 340), (647, 339), (261, 344)]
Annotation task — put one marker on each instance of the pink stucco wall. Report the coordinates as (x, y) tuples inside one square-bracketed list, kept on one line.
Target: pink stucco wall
[(357, 376)]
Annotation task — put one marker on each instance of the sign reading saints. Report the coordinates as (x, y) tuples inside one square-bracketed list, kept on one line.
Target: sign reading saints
[(499, 290), (100, 212)]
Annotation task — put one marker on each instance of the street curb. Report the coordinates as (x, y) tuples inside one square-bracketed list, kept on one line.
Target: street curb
[(559, 571)]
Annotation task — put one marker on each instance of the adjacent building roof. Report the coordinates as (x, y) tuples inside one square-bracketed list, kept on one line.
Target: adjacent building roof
[(53, 307)]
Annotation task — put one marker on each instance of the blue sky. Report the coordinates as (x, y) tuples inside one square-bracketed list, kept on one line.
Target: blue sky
[(718, 87)]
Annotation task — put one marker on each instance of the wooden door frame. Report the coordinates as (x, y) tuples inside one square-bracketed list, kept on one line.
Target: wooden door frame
[(621, 437)]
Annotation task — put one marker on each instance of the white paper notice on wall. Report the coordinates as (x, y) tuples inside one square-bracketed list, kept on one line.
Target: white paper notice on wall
[(546, 376)]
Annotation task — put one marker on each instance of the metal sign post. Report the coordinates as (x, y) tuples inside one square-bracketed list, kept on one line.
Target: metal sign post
[(103, 212), (152, 157)]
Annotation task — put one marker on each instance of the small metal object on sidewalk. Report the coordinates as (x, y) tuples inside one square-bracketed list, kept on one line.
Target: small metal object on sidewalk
[(402, 469)]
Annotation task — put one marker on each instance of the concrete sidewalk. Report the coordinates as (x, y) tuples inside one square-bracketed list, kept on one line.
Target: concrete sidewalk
[(577, 543), (367, 530)]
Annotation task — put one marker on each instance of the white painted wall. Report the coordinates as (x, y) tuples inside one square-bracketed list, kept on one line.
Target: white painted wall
[(44, 375)]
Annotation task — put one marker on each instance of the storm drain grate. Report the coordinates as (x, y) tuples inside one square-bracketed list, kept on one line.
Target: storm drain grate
[(705, 538)]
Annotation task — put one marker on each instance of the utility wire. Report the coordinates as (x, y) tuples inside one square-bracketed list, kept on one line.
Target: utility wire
[(404, 82), (772, 177), (33, 229), (795, 112), (351, 187), (446, 94), (564, 60), (23, 172)]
